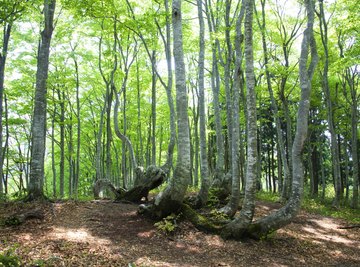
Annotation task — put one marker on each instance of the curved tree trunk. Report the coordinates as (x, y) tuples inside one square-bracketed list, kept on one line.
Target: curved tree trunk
[(284, 215), (237, 226), (240, 226)]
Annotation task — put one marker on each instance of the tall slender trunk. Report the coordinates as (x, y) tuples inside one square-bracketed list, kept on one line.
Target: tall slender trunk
[(330, 110), (53, 162), (284, 215), (171, 198), (78, 143), (153, 109), (3, 56), (229, 100), (215, 86), (204, 167), (233, 204), (35, 187), (239, 224), (61, 98), (274, 106), (168, 87)]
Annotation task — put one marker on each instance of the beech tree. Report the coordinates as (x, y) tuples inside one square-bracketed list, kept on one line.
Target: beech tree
[(35, 188), (243, 225), (9, 13), (112, 120), (171, 198)]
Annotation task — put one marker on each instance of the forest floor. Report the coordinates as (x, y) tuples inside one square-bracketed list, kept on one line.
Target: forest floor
[(103, 233)]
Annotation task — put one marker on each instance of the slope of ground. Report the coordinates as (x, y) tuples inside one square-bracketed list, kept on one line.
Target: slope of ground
[(103, 233)]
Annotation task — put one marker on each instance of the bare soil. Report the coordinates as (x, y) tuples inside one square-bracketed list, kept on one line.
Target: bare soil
[(103, 233)]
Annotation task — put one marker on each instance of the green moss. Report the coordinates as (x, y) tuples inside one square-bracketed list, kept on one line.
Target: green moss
[(267, 196), (199, 221), (168, 225), (12, 221)]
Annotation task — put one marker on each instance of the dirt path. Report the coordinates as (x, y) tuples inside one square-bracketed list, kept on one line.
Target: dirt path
[(103, 233)]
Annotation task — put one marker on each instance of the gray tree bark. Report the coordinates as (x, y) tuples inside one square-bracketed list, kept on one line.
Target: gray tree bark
[(3, 56), (171, 198), (335, 157), (204, 166), (233, 204), (35, 187), (274, 106), (215, 86), (241, 225)]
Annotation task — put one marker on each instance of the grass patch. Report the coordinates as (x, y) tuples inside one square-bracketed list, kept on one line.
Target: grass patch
[(318, 206), (267, 196)]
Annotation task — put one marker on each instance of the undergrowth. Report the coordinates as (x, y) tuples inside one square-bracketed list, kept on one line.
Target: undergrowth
[(9, 258), (318, 206)]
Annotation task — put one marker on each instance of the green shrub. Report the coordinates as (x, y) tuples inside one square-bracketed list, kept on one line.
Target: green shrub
[(168, 225), (9, 258)]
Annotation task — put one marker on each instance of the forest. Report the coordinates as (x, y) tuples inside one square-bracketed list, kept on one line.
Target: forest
[(186, 126)]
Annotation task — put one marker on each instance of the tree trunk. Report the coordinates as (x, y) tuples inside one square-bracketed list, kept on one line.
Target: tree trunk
[(171, 198), (153, 109), (284, 215), (168, 87), (61, 98), (35, 187), (204, 167), (330, 111), (239, 225), (233, 204), (53, 162), (3, 56), (215, 86), (229, 100), (274, 106)]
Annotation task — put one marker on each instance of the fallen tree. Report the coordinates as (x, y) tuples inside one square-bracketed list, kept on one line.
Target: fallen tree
[(145, 182)]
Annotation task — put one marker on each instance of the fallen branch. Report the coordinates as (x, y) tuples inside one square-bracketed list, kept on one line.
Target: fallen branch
[(349, 226)]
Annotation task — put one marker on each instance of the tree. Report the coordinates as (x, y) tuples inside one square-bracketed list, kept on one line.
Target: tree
[(35, 189), (10, 11), (204, 168), (330, 110), (171, 198), (274, 106), (239, 224), (242, 225)]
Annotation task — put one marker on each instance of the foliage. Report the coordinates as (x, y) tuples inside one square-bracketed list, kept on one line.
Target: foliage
[(9, 258), (318, 206), (267, 196), (218, 216), (12, 221), (324, 208), (169, 224)]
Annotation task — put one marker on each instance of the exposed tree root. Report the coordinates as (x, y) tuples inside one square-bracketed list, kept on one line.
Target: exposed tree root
[(18, 219)]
